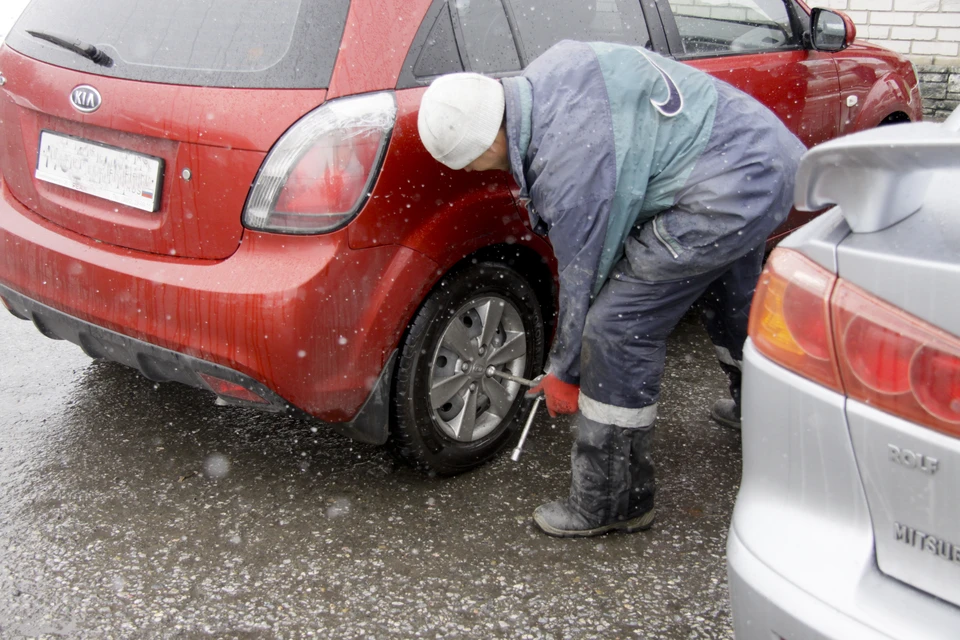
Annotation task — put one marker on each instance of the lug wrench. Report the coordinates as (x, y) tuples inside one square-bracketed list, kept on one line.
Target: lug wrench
[(492, 371), (515, 456)]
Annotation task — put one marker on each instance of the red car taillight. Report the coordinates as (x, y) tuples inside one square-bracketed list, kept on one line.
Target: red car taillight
[(896, 362), (790, 316), (319, 174), (834, 333)]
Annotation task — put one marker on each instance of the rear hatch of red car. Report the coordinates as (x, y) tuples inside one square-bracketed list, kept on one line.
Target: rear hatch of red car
[(143, 124)]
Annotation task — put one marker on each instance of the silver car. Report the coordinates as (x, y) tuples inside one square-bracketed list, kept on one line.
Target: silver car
[(847, 524)]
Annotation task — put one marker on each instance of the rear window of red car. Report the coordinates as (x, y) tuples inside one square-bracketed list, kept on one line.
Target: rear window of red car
[(221, 43)]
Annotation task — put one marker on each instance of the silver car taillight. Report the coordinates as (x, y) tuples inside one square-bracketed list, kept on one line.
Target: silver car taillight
[(319, 174)]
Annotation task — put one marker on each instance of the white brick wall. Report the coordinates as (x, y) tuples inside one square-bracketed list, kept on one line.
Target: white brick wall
[(928, 31)]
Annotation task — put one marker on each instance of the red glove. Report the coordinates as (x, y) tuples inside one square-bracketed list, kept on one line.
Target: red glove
[(562, 397)]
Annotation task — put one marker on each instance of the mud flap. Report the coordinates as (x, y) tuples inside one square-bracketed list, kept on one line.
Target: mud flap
[(371, 424)]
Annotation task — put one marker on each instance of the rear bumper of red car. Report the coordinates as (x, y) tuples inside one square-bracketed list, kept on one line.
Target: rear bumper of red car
[(300, 321)]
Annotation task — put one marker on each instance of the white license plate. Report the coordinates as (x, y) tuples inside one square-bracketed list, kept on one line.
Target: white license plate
[(120, 176)]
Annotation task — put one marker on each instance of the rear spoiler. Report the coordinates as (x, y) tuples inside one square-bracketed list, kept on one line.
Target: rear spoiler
[(877, 177)]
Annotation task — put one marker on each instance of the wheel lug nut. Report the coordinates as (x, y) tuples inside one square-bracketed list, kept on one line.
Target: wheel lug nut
[(473, 386), (481, 350), (465, 367)]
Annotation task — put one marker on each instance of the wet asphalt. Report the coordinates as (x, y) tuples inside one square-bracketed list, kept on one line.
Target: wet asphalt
[(135, 510)]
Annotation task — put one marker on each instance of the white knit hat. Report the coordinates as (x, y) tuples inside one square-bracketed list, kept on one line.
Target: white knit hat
[(460, 115)]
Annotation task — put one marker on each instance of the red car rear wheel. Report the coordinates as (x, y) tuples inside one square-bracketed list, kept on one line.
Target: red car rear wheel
[(451, 412)]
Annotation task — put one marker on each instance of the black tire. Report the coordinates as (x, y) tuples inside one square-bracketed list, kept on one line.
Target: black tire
[(420, 433)]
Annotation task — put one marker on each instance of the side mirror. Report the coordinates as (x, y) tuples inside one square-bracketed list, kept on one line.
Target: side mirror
[(831, 30)]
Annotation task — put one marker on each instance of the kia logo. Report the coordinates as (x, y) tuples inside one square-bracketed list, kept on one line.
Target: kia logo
[(85, 99)]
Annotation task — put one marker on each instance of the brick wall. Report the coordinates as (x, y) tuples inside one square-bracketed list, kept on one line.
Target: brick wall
[(926, 31)]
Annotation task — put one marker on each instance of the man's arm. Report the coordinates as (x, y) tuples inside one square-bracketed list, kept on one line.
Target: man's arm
[(572, 175), (577, 236)]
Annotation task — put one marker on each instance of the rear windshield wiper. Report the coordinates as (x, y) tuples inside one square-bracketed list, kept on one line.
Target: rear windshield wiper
[(79, 47)]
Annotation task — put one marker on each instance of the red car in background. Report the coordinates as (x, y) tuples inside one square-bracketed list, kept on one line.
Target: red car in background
[(233, 195)]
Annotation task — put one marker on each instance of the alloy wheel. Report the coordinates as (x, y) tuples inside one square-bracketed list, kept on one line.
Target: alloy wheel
[(467, 398)]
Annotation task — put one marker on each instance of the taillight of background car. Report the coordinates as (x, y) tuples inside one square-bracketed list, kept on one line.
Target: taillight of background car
[(834, 333), (318, 175)]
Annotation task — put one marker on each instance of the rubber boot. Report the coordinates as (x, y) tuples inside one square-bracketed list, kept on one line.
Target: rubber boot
[(612, 484), (726, 411)]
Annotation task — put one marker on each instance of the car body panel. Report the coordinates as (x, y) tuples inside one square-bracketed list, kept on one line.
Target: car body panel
[(910, 265), (289, 321), (882, 83), (911, 475), (219, 136), (921, 248), (801, 562), (779, 609), (375, 31), (818, 239), (235, 118), (153, 362), (771, 607), (447, 217), (898, 568), (800, 86), (800, 494)]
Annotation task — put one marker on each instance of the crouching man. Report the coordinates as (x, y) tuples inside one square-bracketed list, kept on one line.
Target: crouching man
[(658, 186)]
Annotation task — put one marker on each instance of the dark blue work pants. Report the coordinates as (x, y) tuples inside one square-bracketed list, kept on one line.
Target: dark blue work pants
[(624, 341)]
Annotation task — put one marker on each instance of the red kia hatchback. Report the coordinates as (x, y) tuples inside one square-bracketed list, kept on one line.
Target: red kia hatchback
[(232, 195)]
